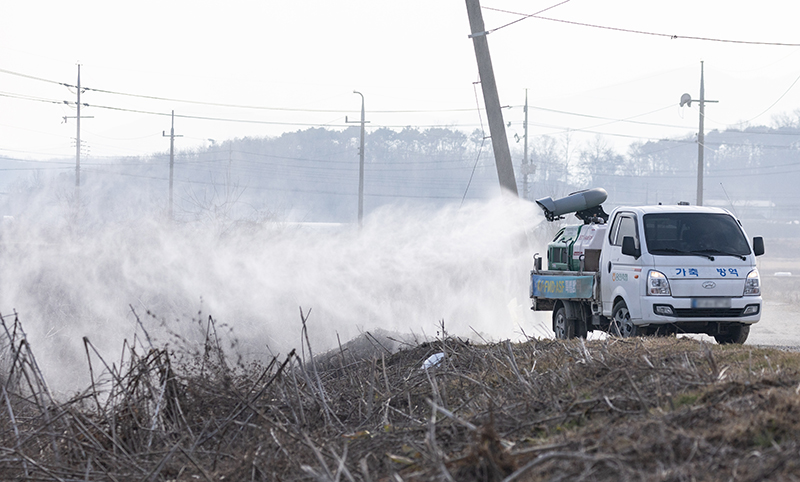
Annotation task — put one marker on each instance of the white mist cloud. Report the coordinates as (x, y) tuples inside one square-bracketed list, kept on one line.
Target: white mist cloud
[(405, 270)]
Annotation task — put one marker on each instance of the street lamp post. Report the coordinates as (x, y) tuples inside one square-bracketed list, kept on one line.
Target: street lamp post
[(687, 99)]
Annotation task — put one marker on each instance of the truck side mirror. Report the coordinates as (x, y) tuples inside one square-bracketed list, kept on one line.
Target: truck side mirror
[(758, 245), (629, 247)]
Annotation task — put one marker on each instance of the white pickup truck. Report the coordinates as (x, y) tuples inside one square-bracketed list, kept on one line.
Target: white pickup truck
[(648, 270)]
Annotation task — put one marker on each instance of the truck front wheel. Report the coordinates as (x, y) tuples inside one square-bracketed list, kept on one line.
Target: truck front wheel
[(736, 334), (564, 328), (621, 324)]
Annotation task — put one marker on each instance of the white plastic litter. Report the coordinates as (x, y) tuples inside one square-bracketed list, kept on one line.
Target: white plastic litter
[(432, 360)]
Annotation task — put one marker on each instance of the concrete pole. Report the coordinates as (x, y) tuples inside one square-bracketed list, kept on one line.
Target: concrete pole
[(525, 165), (360, 160), (78, 148), (701, 134), (701, 139), (502, 154), (171, 161), (172, 137), (361, 165)]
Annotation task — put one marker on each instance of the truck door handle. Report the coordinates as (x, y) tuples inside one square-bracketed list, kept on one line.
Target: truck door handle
[(609, 266)]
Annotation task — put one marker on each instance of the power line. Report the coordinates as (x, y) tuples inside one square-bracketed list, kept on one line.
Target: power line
[(220, 104), (281, 109), (329, 125), (643, 32), (375, 127), (751, 133), (300, 124), (31, 98), (627, 119), (304, 124), (271, 188), (35, 78), (35, 168), (525, 16), (251, 121), (771, 106), (564, 130), (215, 104)]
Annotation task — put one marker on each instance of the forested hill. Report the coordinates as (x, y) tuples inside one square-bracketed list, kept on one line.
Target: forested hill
[(312, 175)]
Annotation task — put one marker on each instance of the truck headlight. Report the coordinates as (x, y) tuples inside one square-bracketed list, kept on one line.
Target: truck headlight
[(752, 285), (657, 284)]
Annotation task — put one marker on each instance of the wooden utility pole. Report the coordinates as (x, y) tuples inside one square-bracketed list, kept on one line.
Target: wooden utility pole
[(502, 154), (360, 162), (172, 137)]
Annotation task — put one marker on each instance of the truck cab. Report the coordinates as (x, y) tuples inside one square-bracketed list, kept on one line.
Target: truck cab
[(689, 269)]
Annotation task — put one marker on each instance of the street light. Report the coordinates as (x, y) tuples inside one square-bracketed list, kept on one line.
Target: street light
[(686, 99)]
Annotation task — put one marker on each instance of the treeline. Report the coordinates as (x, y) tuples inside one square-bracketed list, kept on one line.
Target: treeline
[(312, 175), (754, 171)]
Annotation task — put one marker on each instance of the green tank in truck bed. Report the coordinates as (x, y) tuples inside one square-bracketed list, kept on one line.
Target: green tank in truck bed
[(574, 245)]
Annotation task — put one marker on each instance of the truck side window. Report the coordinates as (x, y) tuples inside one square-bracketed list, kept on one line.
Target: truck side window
[(612, 233), (627, 227)]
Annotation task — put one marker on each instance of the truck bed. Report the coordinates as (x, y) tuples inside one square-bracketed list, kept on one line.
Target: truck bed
[(563, 285)]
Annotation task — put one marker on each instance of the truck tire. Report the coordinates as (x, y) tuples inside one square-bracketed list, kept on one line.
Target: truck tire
[(621, 324), (581, 329), (563, 328), (737, 334)]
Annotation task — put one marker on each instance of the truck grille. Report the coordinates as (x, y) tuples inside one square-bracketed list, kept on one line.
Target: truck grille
[(708, 312)]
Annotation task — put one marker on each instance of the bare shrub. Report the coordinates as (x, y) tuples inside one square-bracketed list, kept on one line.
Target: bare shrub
[(617, 409)]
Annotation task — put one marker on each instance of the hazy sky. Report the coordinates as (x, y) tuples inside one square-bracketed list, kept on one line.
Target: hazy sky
[(299, 62)]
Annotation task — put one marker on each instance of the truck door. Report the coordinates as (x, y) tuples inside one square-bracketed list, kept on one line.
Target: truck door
[(621, 273)]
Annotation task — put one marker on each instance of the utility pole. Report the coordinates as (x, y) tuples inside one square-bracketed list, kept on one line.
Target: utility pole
[(526, 167), (78, 118), (502, 154), (360, 161), (78, 144), (701, 138), (172, 137)]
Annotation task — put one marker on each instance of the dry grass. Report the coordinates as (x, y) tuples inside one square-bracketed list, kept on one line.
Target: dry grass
[(641, 409)]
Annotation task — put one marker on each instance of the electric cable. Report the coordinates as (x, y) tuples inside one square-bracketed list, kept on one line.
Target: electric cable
[(768, 108), (643, 32), (220, 104), (480, 149), (525, 16)]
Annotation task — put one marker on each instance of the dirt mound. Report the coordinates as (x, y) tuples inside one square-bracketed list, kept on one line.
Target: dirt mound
[(632, 409)]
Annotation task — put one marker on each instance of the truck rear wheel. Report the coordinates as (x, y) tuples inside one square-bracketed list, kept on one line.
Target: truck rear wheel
[(621, 324), (564, 328), (736, 334)]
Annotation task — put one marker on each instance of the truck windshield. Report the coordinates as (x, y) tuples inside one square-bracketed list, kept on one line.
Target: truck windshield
[(694, 233)]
